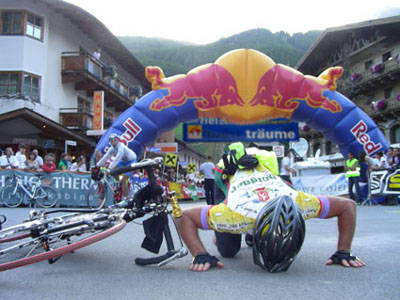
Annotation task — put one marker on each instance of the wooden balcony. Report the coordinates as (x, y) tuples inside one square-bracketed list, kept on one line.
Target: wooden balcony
[(73, 118), (369, 80), (392, 110), (90, 74)]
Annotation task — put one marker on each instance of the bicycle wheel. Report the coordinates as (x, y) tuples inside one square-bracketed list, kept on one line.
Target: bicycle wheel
[(46, 196), (96, 195), (58, 240), (11, 195)]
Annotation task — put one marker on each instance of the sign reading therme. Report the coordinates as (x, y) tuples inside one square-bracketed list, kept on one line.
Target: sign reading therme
[(98, 101)]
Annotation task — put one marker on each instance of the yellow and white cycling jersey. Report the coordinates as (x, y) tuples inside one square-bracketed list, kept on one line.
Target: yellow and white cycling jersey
[(249, 190)]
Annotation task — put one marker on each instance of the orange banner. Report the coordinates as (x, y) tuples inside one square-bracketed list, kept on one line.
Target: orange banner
[(98, 101)]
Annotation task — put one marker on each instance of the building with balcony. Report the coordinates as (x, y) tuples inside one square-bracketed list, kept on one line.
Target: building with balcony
[(53, 56), (369, 52)]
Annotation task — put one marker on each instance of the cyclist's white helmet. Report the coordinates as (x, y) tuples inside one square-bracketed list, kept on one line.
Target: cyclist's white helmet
[(113, 136)]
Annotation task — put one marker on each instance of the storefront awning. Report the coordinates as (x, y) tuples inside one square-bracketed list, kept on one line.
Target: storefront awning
[(25, 124)]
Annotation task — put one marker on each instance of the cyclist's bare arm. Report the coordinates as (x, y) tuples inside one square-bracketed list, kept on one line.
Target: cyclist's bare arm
[(345, 210), (188, 226)]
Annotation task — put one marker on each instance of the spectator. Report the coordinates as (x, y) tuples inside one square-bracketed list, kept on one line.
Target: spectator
[(49, 165), (352, 169), (21, 156), (31, 163), (286, 167), (79, 165), (69, 161), (382, 162), (396, 158), (207, 169), (38, 158), (63, 164), (95, 158), (389, 156), (366, 165), (8, 160)]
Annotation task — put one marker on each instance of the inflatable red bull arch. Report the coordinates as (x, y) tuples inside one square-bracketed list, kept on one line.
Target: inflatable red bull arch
[(246, 86)]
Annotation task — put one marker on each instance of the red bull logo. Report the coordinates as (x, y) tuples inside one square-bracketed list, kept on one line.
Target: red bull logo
[(132, 130), (244, 86), (360, 133), (208, 88), (279, 89)]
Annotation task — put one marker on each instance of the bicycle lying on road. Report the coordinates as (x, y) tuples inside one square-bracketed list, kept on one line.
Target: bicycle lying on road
[(16, 191), (47, 235)]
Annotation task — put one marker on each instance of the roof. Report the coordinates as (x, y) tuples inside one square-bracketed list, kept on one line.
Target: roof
[(333, 39), (186, 146), (41, 124), (101, 34)]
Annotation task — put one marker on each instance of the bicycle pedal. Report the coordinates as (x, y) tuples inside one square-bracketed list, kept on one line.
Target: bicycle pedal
[(178, 254)]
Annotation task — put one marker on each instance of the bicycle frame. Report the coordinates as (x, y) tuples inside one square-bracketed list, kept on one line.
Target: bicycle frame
[(42, 230), (30, 192)]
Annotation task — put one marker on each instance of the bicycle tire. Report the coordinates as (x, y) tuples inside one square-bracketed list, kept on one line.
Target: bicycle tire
[(11, 195), (31, 249), (46, 197), (96, 196)]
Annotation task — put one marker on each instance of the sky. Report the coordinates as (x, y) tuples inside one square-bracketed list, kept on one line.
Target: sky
[(206, 21)]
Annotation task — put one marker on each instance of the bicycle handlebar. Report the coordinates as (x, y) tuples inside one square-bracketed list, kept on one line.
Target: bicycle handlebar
[(148, 162)]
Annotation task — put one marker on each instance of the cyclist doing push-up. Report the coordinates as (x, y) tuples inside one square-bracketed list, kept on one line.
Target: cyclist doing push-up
[(257, 200), (118, 155)]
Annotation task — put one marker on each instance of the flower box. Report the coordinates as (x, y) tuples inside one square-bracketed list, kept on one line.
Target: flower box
[(377, 68), (355, 77)]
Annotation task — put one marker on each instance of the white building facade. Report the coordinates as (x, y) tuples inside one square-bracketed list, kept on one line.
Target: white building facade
[(48, 73)]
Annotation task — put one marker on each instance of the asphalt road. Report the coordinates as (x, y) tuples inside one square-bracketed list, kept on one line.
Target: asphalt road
[(106, 270)]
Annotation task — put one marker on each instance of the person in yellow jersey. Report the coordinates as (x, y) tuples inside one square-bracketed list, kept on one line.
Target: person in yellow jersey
[(258, 201), (352, 169)]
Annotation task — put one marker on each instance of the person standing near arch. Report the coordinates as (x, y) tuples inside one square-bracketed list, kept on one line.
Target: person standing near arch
[(207, 169), (352, 169)]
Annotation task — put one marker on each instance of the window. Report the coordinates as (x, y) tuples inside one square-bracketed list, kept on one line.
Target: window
[(395, 134), (328, 147), (83, 105), (20, 83), (388, 92), (12, 22), (20, 23), (30, 86), (34, 26), (387, 56), (8, 83), (368, 64)]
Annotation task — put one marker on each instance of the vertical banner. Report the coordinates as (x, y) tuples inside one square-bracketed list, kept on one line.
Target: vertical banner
[(98, 103)]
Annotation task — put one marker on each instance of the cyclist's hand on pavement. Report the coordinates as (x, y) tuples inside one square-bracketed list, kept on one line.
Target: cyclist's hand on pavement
[(203, 262), (345, 259)]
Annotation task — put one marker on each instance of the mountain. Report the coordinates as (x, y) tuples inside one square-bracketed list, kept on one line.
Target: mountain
[(179, 57)]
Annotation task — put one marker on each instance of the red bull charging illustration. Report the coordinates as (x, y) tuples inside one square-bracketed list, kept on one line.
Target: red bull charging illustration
[(246, 86)]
